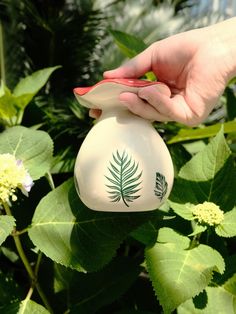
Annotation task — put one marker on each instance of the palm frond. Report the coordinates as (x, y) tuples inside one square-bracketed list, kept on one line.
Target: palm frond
[(124, 178)]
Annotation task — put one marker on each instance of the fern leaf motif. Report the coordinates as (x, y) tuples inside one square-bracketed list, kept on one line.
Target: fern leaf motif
[(161, 186), (124, 179)]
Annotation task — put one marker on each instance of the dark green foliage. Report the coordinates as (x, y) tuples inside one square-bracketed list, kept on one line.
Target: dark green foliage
[(46, 33), (190, 266), (39, 34)]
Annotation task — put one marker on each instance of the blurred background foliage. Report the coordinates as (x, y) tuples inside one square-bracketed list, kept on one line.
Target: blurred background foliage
[(79, 36), (87, 37)]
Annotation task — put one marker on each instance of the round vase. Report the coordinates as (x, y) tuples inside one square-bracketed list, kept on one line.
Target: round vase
[(123, 164)]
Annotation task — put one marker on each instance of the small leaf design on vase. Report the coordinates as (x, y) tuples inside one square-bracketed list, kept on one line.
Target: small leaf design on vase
[(161, 186), (124, 178)]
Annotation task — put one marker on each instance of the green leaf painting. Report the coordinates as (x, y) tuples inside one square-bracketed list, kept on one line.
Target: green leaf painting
[(161, 186), (125, 178)]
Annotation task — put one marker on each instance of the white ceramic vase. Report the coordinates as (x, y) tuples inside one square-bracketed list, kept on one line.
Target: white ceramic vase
[(123, 164)]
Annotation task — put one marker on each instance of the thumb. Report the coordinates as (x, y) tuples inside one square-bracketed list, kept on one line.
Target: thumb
[(135, 67)]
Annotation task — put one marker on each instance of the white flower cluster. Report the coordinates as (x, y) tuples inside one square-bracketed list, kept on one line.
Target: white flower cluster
[(208, 213), (13, 175)]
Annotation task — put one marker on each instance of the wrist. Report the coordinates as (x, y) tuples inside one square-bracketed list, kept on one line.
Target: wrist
[(223, 38)]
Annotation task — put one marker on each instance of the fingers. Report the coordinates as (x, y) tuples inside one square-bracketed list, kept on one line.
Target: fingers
[(141, 107), (135, 67), (153, 105)]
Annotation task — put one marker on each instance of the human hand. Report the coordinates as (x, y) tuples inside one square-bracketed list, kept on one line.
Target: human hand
[(196, 65)]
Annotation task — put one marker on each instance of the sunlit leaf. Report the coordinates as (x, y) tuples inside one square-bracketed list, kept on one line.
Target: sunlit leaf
[(29, 86), (204, 132), (33, 147), (26, 306), (65, 230), (209, 176), (7, 105), (219, 300), (228, 226), (177, 272), (7, 223)]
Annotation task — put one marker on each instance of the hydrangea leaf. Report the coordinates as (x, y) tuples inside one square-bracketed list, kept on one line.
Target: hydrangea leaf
[(207, 162), (30, 85), (209, 176), (228, 227), (26, 306), (190, 134), (7, 223), (33, 147), (183, 210), (198, 229), (219, 300), (69, 233), (177, 272), (7, 108)]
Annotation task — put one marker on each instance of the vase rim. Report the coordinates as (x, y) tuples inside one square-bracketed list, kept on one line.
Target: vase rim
[(132, 82)]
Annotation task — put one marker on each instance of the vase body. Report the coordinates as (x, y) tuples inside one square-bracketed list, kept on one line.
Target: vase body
[(123, 164)]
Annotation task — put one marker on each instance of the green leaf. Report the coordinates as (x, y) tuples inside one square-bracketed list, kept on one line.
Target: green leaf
[(204, 132), (7, 223), (209, 176), (69, 233), (219, 300), (33, 147), (29, 86), (183, 210), (124, 178), (128, 44), (24, 307), (228, 227), (90, 292), (7, 107), (147, 233), (198, 229), (177, 272), (208, 162)]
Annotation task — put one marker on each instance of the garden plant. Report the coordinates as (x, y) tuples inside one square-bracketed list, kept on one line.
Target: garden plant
[(58, 256)]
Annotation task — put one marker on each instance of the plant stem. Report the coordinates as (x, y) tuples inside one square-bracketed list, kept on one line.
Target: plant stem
[(2, 60), (31, 273), (50, 180)]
